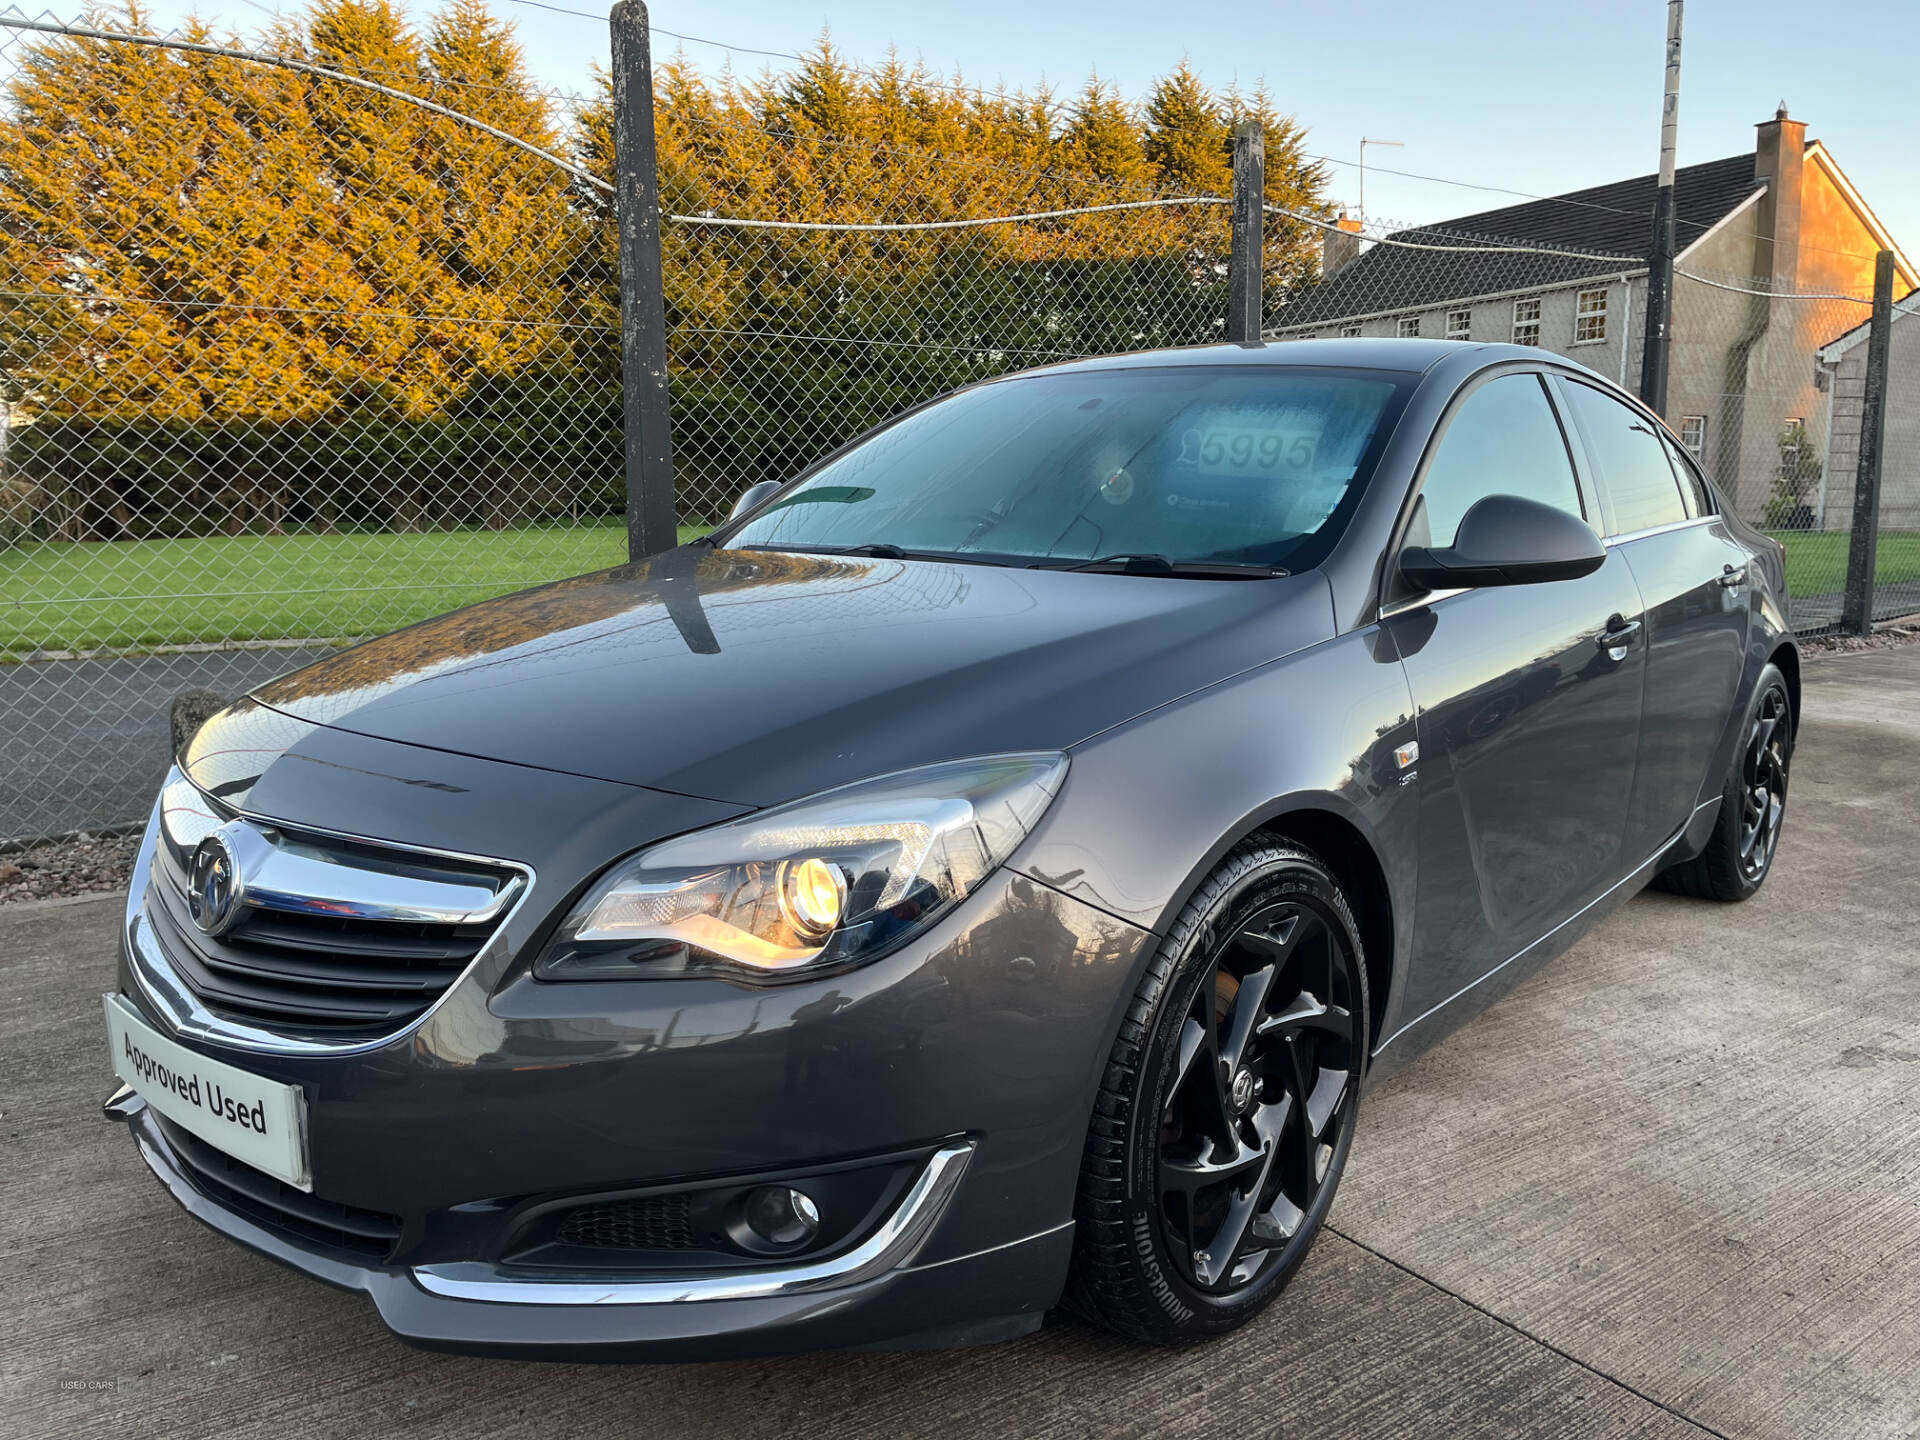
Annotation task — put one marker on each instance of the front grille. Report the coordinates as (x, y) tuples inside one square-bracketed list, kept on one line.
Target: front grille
[(655, 1222), (363, 1234), (319, 964), (313, 972)]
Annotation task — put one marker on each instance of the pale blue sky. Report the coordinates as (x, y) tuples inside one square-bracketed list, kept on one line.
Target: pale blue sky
[(1536, 97)]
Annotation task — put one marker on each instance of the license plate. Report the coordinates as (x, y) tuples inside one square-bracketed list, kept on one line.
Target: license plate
[(255, 1120)]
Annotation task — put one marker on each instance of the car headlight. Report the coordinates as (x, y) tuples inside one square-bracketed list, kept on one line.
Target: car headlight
[(834, 880)]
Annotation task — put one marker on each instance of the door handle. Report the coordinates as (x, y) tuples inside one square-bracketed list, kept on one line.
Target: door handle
[(1732, 576), (1618, 634)]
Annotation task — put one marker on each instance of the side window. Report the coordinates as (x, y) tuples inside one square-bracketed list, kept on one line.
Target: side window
[(1503, 440), (1693, 485), (1637, 484)]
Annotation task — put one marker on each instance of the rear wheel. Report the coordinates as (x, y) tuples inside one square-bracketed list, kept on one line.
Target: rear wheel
[(1753, 805), (1228, 1104)]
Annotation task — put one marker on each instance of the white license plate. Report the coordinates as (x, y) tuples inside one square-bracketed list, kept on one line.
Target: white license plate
[(258, 1121)]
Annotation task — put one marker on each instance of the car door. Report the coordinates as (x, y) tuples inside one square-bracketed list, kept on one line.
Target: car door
[(1527, 702), (1694, 583)]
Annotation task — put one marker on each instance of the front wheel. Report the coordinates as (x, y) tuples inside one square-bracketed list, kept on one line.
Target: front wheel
[(1753, 804), (1228, 1104)]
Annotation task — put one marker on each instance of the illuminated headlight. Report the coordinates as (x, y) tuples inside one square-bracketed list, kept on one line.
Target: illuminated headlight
[(826, 882)]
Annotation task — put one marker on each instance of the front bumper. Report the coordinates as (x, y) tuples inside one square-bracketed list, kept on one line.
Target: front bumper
[(987, 1296), (513, 1093)]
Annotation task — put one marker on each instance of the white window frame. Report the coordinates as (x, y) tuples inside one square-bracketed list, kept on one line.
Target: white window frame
[(1527, 325), (1695, 446), (1459, 324), (1349, 332), (1407, 327), (1590, 321)]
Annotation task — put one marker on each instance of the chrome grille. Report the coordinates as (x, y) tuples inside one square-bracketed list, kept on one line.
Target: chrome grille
[(330, 936)]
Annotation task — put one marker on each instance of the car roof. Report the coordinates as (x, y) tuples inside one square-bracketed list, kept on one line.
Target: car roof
[(1357, 353)]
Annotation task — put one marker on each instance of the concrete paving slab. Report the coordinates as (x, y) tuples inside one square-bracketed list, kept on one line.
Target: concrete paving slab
[(1689, 1152), (1664, 1189)]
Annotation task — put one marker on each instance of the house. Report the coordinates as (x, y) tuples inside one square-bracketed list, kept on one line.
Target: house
[(1843, 362), (1569, 273)]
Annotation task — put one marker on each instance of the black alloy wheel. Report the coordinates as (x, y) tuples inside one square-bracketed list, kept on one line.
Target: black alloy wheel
[(1229, 1105), (1763, 795), (1266, 1059), (1739, 852)]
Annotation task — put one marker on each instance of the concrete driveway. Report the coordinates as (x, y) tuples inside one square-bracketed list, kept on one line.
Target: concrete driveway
[(1670, 1187)]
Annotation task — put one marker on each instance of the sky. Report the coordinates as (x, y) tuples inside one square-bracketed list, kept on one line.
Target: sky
[(1537, 97)]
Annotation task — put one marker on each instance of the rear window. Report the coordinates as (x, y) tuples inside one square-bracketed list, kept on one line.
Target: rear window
[(1637, 484)]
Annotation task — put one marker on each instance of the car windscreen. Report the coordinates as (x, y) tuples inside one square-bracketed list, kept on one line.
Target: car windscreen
[(1254, 465)]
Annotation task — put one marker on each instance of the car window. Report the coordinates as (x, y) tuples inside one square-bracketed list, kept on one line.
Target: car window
[(1637, 484), (1503, 440), (1252, 464), (1693, 485)]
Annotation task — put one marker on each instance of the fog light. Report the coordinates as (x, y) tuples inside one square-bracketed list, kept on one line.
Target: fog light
[(814, 896), (783, 1216)]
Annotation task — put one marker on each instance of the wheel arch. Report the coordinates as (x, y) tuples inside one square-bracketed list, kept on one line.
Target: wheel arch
[(1347, 852), (1786, 655), (1320, 823)]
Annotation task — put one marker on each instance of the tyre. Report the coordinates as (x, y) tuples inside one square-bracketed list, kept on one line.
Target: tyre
[(1746, 834), (1228, 1104)]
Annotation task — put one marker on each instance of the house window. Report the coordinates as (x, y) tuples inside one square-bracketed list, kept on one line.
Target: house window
[(1459, 324), (1590, 317), (1526, 322), (1349, 332), (1408, 327), (1693, 435)]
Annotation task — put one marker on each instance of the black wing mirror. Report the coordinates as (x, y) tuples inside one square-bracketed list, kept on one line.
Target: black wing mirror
[(1507, 540), (750, 499)]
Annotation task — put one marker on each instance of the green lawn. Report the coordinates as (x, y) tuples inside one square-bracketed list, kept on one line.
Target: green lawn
[(1817, 559), (273, 587), (270, 587)]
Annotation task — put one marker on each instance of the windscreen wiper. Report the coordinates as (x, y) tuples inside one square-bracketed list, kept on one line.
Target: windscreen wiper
[(1147, 564), (870, 552), (882, 551)]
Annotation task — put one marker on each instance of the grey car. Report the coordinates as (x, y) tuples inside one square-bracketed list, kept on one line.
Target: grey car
[(982, 877)]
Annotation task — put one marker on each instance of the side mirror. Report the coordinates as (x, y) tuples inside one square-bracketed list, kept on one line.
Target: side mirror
[(750, 499), (1507, 540)]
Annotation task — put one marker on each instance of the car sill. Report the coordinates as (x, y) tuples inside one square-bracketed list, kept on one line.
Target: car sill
[(1634, 874)]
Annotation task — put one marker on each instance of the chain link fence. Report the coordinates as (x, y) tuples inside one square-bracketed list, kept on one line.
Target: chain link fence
[(847, 282), (284, 361), (303, 344)]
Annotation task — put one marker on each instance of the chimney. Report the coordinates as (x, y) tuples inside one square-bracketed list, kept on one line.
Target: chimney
[(1779, 154), (1339, 247)]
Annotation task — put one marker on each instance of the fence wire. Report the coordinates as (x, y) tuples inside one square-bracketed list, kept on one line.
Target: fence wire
[(284, 362), (288, 360)]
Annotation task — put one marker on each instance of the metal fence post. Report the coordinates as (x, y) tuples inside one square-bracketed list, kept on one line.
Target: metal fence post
[(1864, 549), (1244, 271), (1659, 339), (651, 517)]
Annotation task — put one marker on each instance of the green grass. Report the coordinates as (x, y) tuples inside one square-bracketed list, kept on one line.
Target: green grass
[(1817, 559), (272, 587)]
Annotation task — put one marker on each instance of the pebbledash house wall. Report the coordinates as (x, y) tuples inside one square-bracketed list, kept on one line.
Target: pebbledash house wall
[(1750, 363), (1493, 323), (1744, 363), (1846, 361)]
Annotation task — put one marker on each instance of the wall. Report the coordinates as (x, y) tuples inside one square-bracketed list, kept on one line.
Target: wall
[(1900, 468)]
